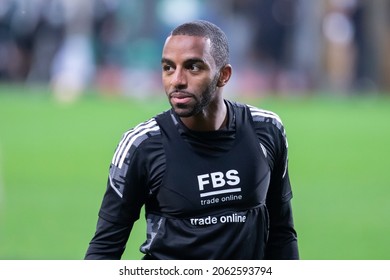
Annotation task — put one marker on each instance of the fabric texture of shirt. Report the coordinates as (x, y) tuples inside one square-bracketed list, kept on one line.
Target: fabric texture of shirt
[(208, 195)]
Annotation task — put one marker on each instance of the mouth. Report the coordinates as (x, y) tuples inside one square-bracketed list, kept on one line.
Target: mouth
[(180, 97)]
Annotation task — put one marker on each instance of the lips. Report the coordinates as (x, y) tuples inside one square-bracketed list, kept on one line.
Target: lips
[(180, 97), (180, 94)]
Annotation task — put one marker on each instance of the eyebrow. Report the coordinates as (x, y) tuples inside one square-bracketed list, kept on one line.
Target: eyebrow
[(190, 60), (166, 60)]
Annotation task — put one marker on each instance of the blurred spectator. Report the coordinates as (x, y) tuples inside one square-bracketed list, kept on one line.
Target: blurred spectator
[(30, 34), (271, 25), (48, 38), (282, 45), (339, 32), (73, 64)]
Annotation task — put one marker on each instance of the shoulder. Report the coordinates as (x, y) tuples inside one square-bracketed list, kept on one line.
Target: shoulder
[(272, 137), (265, 116), (269, 129), (258, 115), (267, 119), (133, 138), (261, 117)]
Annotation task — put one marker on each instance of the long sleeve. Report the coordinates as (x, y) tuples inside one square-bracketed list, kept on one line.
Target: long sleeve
[(132, 171), (282, 238), (109, 241), (282, 242)]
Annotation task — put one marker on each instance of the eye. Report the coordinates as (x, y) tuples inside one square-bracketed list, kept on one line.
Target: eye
[(167, 68), (194, 67)]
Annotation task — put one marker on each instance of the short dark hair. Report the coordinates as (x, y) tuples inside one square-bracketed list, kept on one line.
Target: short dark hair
[(203, 28)]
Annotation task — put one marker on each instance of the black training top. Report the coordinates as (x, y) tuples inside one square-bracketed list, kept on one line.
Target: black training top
[(208, 195)]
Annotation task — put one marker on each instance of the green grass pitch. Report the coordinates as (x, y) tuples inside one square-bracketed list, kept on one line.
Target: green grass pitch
[(54, 160)]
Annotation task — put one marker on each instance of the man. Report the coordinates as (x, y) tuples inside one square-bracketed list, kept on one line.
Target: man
[(211, 173)]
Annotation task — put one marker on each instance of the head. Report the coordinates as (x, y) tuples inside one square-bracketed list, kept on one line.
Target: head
[(195, 64), (219, 44)]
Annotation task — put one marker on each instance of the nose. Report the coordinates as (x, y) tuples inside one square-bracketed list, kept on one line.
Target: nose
[(179, 79)]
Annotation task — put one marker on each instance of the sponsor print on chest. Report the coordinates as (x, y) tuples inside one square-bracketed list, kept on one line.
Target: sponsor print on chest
[(217, 187), (224, 219)]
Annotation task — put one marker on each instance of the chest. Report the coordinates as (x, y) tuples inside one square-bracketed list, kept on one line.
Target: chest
[(196, 184)]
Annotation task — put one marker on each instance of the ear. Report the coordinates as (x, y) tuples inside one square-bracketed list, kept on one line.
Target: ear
[(224, 75)]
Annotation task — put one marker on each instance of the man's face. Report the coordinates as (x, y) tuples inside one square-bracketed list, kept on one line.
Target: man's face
[(189, 74)]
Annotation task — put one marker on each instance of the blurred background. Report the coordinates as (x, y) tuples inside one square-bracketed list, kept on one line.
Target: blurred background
[(278, 46), (74, 75)]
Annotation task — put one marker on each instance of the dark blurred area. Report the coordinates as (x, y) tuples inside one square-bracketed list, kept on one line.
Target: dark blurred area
[(277, 46)]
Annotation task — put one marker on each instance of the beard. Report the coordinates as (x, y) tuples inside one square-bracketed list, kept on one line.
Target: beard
[(201, 102)]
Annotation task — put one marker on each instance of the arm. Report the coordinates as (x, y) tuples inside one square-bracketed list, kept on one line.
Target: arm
[(124, 197), (119, 210), (282, 240), (109, 241)]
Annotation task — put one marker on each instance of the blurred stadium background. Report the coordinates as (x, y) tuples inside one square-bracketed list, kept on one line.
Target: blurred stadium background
[(74, 75)]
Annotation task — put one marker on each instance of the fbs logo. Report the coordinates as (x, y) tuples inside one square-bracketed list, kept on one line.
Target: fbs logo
[(215, 181)]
